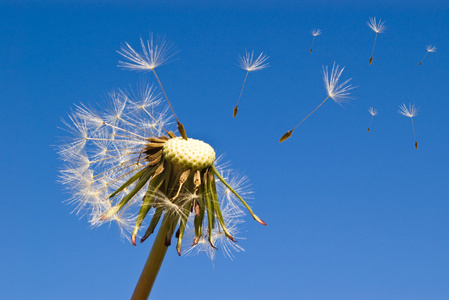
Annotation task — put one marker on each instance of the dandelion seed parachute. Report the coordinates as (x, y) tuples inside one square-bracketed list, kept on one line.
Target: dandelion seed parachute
[(248, 63), (155, 52), (377, 27), (338, 92), (411, 111), (372, 112), (315, 33), (429, 49)]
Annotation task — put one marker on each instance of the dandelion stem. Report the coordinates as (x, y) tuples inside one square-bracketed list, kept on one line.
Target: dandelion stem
[(153, 264), (240, 96)]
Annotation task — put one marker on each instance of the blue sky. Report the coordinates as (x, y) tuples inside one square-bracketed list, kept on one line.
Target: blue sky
[(350, 214)]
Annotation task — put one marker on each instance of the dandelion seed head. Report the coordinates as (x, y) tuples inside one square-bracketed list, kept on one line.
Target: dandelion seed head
[(372, 111), (377, 27), (121, 168), (339, 92), (316, 32), (190, 154), (248, 63), (431, 48), (410, 111)]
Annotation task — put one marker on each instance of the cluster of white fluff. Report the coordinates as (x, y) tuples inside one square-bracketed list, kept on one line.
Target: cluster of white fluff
[(105, 150)]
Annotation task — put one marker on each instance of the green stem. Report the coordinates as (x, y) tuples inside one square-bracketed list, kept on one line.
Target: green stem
[(152, 265)]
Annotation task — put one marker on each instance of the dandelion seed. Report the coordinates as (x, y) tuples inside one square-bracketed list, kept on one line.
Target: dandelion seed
[(120, 168), (154, 53), (377, 27), (338, 92), (429, 49), (372, 112), (410, 112), (315, 33), (250, 64)]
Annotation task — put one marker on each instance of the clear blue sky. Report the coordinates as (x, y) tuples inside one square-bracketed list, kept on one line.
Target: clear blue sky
[(351, 214)]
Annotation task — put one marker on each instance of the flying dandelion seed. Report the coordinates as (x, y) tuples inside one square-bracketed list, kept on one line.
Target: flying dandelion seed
[(315, 33), (250, 64), (373, 112), (429, 48), (155, 52), (410, 112), (377, 27), (124, 165), (335, 91)]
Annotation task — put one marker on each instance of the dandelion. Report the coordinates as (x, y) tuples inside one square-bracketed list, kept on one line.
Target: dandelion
[(410, 112), (377, 27), (338, 92), (429, 48), (155, 52), (315, 33), (250, 64), (372, 112), (125, 165)]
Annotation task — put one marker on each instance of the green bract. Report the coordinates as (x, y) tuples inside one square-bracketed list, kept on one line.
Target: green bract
[(179, 176)]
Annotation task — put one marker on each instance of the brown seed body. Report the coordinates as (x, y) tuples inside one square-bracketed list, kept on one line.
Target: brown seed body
[(236, 108), (285, 136)]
